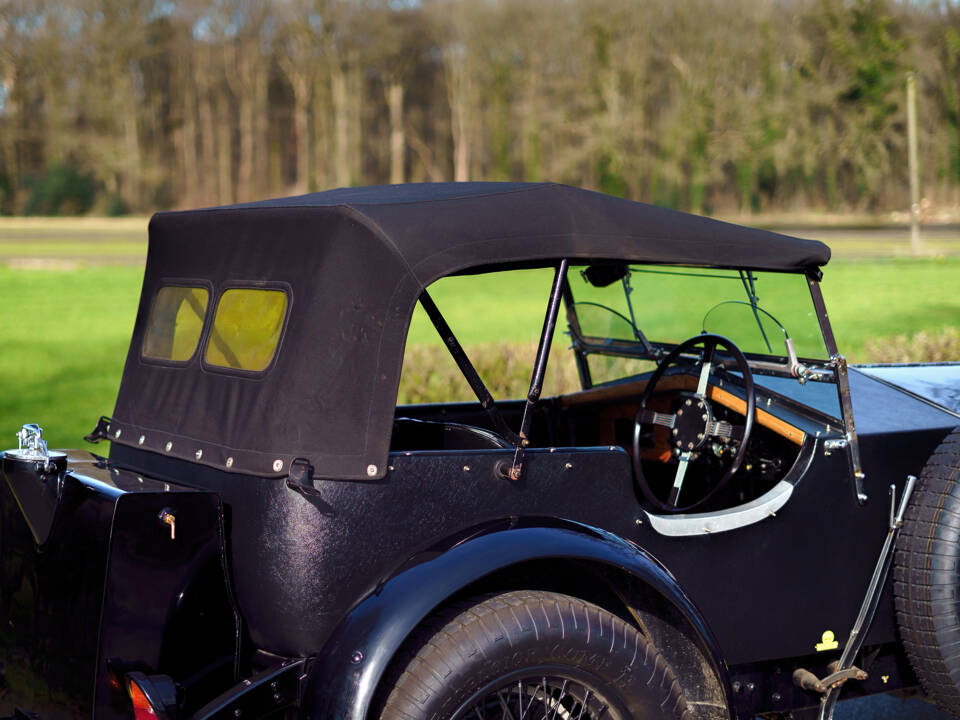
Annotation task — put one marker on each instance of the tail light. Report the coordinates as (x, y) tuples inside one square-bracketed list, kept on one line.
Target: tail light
[(154, 697)]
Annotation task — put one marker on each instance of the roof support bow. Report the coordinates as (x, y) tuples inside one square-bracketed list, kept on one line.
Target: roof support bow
[(539, 367)]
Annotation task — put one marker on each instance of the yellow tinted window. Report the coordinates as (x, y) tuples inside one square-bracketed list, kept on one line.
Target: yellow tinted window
[(176, 320), (246, 328)]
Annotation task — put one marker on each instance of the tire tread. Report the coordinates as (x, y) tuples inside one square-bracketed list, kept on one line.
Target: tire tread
[(926, 576), (466, 629)]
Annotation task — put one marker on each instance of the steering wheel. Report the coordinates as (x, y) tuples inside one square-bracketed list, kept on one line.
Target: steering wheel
[(693, 424)]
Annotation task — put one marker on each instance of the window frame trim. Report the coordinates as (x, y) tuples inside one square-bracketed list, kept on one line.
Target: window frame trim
[(275, 285), (192, 283)]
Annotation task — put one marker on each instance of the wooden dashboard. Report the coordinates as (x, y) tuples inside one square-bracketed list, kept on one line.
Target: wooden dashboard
[(611, 394)]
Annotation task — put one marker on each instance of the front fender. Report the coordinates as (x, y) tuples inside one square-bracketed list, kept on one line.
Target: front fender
[(345, 675)]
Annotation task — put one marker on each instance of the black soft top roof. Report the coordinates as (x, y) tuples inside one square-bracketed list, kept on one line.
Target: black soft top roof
[(440, 228), (353, 262)]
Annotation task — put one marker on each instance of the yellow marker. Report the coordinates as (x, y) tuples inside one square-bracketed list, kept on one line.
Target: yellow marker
[(827, 642)]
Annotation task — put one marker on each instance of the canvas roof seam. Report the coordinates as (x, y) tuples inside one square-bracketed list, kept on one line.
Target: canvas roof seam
[(455, 198), (379, 232), (549, 256), (266, 204)]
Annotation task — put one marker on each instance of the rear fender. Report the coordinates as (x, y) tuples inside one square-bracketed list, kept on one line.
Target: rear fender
[(344, 678), (94, 580)]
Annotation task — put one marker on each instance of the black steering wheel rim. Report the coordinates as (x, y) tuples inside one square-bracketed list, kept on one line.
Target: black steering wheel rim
[(710, 341)]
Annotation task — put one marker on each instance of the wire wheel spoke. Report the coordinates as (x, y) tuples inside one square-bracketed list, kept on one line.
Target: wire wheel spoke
[(537, 698)]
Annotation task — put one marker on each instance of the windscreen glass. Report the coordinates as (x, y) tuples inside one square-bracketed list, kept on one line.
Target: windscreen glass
[(635, 310)]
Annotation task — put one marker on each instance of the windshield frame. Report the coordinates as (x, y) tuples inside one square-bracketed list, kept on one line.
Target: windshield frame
[(832, 370), (785, 363)]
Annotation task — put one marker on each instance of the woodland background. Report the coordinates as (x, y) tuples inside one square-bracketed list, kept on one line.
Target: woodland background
[(716, 106)]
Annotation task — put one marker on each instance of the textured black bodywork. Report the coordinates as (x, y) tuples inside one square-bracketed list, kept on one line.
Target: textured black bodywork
[(346, 543), (377, 628), (437, 523), (50, 605), (438, 510), (110, 586), (340, 545)]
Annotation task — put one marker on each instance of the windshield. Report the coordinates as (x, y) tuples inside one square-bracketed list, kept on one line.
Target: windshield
[(637, 311)]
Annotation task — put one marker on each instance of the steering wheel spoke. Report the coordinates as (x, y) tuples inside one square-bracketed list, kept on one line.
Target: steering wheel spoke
[(706, 367), (693, 423), (678, 479), (651, 417), (725, 430)]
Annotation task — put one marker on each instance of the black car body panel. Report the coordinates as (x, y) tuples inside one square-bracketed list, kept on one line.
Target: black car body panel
[(335, 541), (346, 674), (938, 383), (110, 588)]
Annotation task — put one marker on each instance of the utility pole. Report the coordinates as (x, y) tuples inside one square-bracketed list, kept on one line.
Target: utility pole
[(912, 152)]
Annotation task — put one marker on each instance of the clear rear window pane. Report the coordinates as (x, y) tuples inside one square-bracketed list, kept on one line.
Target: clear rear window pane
[(176, 320), (246, 329)]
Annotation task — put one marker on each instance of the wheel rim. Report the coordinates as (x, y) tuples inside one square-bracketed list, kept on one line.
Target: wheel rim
[(545, 696)]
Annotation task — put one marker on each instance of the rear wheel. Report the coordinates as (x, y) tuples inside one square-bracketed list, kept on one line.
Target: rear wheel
[(530, 654), (927, 576)]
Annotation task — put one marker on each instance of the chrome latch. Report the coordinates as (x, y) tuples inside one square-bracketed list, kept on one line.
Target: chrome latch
[(830, 446)]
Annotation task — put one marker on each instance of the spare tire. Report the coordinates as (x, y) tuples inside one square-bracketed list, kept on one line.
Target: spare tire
[(927, 576)]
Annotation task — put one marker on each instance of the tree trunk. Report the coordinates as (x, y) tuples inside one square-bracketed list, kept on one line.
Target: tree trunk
[(208, 134), (322, 148), (459, 118), (8, 140), (225, 117), (356, 94), (397, 135), (53, 134), (244, 56), (188, 144), (301, 126), (261, 130), (341, 110), (133, 171), (530, 142), (133, 161), (245, 174)]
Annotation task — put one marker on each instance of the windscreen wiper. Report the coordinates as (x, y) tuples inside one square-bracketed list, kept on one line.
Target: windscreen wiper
[(746, 277), (638, 333)]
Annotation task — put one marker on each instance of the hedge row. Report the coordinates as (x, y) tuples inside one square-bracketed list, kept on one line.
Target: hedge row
[(430, 375), (920, 347)]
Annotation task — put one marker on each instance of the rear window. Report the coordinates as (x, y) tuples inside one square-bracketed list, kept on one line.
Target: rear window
[(246, 329), (175, 323)]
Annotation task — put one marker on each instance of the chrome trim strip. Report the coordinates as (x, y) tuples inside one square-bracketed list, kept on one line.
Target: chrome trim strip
[(685, 525)]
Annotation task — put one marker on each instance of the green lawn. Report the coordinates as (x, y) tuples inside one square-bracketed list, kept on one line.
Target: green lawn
[(65, 341), (66, 331)]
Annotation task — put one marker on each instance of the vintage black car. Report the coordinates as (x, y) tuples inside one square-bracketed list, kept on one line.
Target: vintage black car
[(703, 530)]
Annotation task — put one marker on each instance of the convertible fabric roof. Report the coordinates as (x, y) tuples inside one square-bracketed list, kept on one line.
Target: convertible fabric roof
[(353, 263), (439, 228)]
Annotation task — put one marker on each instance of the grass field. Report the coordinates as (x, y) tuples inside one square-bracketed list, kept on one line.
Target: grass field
[(69, 292)]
